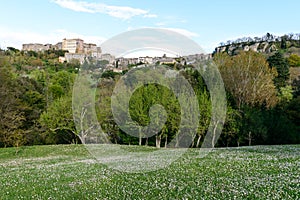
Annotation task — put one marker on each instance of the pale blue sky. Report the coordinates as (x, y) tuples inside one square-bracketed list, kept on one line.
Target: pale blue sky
[(206, 22)]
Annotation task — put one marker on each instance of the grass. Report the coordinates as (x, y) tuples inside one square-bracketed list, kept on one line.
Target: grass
[(70, 172)]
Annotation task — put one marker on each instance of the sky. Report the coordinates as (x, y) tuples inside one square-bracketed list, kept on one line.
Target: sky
[(208, 23)]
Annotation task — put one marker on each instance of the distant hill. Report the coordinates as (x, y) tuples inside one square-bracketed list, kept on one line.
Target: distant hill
[(268, 44)]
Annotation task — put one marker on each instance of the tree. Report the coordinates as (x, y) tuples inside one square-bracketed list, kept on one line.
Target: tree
[(286, 94), (56, 84), (12, 111), (283, 42), (253, 128), (139, 106), (230, 132), (281, 65), (294, 60), (146, 104), (269, 37), (248, 78), (196, 80), (36, 63), (293, 111), (281, 127), (58, 122), (205, 115), (64, 80), (103, 109), (84, 111)]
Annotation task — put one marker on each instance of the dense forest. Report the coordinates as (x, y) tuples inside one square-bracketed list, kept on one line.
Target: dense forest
[(263, 100)]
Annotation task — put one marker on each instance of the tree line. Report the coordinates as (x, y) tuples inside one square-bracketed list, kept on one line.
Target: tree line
[(263, 104), (266, 38)]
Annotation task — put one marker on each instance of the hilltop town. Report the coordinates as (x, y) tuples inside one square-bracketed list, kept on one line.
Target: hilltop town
[(77, 49)]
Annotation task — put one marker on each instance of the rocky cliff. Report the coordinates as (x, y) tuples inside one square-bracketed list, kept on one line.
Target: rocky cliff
[(289, 44)]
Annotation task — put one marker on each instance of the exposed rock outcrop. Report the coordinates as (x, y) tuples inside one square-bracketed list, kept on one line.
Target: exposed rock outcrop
[(262, 47)]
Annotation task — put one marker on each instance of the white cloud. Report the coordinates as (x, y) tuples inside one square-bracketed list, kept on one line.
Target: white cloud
[(122, 12), (160, 24), (129, 28), (15, 38), (170, 21), (76, 6), (183, 32), (150, 16)]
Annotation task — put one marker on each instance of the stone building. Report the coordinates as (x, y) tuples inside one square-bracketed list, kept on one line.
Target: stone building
[(110, 58), (73, 45), (35, 47), (92, 50), (146, 60), (58, 46), (41, 47), (75, 56)]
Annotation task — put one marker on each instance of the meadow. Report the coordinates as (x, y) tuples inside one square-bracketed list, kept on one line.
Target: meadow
[(70, 172)]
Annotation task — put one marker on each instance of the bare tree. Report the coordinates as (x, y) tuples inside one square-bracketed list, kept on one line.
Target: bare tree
[(248, 78)]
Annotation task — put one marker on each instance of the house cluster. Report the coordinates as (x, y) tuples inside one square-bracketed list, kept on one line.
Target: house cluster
[(122, 63), (162, 60), (76, 49)]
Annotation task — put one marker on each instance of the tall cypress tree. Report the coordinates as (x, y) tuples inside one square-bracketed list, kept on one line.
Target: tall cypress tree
[(281, 64)]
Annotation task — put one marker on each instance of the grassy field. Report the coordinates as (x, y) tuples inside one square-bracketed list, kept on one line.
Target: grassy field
[(70, 172)]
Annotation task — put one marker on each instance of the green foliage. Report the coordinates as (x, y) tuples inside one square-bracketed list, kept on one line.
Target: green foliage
[(294, 60), (286, 94), (281, 130), (102, 63), (148, 96), (25, 98), (58, 122), (230, 135), (254, 130), (196, 80), (293, 112), (36, 63), (36, 92), (32, 53), (283, 43), (55, 53), (109, 74), (104, 113), (12, 111), (281, 65)]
